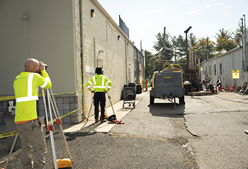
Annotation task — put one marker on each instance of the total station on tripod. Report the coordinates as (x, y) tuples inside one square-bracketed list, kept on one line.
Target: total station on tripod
[(46, 66)]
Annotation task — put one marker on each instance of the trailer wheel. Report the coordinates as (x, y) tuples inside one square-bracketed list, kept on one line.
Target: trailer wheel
[(181, 100), (151, 100)]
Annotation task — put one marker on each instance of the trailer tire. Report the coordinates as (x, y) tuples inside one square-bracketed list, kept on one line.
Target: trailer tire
[(151, 100), (181, 100)]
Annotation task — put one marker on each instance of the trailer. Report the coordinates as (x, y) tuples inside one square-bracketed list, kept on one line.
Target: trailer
[(168, 84)]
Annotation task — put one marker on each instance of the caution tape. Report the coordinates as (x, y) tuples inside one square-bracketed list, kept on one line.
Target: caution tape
[(13, 133), (7, 98), (13, 97), (9, 134)]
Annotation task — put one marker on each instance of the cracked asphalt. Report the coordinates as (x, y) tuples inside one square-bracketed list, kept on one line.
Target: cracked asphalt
[(219, 124)]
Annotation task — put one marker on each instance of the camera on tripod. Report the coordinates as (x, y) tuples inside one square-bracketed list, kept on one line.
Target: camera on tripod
[(45, 67)]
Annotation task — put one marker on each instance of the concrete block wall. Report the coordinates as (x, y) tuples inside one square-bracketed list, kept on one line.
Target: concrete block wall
[(65, 105), (3, 105)]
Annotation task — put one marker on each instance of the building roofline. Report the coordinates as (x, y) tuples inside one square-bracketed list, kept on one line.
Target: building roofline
[(232, 50), (105, 13)]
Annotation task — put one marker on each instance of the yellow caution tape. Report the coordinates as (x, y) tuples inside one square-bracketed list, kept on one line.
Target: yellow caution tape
[(7, 98), (13, 97), (13, 133)]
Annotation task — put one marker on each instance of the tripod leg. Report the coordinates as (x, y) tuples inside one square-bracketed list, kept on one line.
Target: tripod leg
[(58, 119), (111, 104), (90, 109), (50, 127), (13, 145)]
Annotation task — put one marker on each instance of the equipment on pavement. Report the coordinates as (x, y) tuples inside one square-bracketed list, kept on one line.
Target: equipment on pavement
[(129, 95), (168, 83), (58, 163), (13, 145), (113, 118), (64, 163), (90, 109)]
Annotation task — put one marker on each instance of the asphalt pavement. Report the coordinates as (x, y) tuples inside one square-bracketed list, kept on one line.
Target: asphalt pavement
[(152, 137), (219, 122)]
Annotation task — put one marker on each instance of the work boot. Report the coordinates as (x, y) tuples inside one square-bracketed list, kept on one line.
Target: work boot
[(102, 121), (96, 121)]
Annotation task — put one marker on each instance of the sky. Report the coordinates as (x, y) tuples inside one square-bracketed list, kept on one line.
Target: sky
[(146, 18)]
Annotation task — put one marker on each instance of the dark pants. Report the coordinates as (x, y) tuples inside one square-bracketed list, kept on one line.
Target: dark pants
[(99, 97)]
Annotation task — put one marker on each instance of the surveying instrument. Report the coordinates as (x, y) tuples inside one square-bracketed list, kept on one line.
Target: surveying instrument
[(60, 163), (57, 163)]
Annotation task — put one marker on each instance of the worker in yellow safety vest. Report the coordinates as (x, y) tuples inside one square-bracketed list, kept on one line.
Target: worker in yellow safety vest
[(99, 82), (27, 123)]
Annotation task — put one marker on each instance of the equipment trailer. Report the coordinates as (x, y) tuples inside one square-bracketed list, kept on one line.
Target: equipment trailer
[(168, 83)]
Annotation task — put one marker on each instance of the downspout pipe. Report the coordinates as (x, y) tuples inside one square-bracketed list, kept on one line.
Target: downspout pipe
[(82, 54), (245, 54)]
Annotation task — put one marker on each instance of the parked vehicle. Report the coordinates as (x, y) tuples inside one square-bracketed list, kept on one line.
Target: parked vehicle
[(168, 83)]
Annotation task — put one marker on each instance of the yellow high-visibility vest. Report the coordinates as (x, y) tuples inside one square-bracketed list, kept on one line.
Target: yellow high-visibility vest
[(99, 82), (26, 93)]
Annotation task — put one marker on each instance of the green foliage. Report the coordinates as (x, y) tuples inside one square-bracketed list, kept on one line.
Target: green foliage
[(159, 44), (149, 64), (180, 44), (202, 48), (225, 41)]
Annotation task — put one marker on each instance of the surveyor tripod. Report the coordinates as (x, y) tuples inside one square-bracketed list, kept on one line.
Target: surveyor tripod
[(50, 127), (50, 102)]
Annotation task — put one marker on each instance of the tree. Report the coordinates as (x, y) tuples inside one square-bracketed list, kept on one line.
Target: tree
[(179, 43), (159, 44), (224, 41), (192, 40), (201, 49), (149, 63)]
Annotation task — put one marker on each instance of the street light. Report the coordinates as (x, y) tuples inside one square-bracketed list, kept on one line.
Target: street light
[(186, 31), (187, 55)]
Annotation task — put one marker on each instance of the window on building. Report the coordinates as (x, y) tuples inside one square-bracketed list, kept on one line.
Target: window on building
[(220, 68), (214, 69), (210, 70)]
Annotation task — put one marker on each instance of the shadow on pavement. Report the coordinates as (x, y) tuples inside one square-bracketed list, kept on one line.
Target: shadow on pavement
[(72, 136), (166, 109)]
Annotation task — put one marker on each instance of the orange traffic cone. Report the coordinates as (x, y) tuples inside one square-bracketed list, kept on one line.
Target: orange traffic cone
[(214, 89)]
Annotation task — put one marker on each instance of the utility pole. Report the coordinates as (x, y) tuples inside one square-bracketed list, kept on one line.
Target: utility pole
[(246, 58), (175, 55), (207, 50), (163, 55)]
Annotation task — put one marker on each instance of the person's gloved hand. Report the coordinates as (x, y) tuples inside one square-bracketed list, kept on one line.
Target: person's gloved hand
[(105, 91), (93, 91)]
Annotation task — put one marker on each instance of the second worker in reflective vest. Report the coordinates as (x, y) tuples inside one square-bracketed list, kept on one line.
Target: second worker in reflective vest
[(99, 82)]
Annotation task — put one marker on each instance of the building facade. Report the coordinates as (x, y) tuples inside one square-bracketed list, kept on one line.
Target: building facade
[(72, 42), (223, 66)]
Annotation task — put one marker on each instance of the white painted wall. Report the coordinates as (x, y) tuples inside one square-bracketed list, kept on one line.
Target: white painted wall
[(230, 61)]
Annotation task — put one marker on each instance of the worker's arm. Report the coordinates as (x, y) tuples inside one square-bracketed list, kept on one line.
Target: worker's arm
[(43, 81), (88, 85), (109, 84)]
